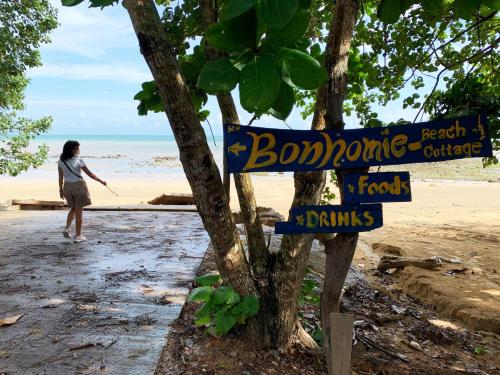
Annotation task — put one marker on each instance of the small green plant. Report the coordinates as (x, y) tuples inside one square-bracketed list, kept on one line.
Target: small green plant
[(223, 308), (480, 350), (328, 195), (307, 293)]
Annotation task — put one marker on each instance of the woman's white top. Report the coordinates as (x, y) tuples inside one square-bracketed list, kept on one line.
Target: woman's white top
[(76, 164)]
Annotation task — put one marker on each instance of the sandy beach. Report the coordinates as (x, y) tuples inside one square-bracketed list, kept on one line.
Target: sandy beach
[(455, 213)]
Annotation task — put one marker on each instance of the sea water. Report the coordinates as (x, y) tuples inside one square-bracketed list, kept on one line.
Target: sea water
[(119, 156)]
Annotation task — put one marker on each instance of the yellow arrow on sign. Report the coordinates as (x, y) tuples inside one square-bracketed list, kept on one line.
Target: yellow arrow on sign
[(236, 148)]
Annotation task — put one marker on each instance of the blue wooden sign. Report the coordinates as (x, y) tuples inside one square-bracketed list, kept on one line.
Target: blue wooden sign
[(251, 149), (332, 219), (377, 187)]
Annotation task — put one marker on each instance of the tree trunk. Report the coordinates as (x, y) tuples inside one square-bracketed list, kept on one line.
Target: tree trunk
[(339, 250), (195, 155)]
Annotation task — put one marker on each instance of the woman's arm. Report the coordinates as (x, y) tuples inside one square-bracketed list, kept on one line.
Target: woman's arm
[(92, 176), (61, 179)]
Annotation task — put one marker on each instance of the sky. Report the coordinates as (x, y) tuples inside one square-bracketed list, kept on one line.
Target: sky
[(93, 68)]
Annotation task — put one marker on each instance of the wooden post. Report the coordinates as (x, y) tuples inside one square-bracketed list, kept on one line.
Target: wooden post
[(341, 343)]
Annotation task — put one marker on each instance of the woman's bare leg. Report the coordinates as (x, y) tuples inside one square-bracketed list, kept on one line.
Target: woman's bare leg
[(79, 218), (71, 216)]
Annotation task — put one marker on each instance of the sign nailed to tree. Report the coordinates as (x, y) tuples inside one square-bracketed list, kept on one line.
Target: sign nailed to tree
[(377, 187), (332, 219), (251, 149)]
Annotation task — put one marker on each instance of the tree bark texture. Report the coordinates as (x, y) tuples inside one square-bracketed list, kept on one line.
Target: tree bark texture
[(339, 250), (195, 155)]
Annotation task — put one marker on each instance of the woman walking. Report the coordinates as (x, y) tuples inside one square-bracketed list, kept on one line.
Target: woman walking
[(75, 189)]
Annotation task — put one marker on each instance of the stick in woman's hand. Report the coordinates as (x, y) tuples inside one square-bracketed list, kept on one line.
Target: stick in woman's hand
[(111, 190)]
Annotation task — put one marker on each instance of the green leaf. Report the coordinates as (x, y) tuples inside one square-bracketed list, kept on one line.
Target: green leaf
[(283, 104), (208, 279), (149, 98), (305, 71), (234, 35), (225, 294), (390, 10), (259, 84), (277, 13), (492, 4), (249, 306), (466, 9), (218, 76), (71, 3), (234, 8), (200, 294), (205, 319), (204, 309), (189, 70), (101, 3), (433, 7), (293, 30), (223, 322)]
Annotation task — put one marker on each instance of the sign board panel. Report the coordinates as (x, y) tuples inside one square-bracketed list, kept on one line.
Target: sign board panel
[(377, 187), (251, 149), (332, 219)]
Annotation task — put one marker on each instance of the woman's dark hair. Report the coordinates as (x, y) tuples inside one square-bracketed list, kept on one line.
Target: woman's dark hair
[(69, 150)]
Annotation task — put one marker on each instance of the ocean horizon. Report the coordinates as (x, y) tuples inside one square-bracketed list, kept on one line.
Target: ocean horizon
[(117, 137)]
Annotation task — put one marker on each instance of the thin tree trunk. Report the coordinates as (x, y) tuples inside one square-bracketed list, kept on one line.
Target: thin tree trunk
[(256, 242), (195, 155), (288, 265), (339, 250)]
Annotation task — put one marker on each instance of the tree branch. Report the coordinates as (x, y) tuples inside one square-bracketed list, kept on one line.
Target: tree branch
[(256, 241)]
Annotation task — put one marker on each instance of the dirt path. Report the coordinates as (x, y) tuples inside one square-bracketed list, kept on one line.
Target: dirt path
[(103, 306)]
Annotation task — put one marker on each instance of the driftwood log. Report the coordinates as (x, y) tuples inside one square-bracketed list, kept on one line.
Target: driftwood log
[(391, 261), (173, 199)]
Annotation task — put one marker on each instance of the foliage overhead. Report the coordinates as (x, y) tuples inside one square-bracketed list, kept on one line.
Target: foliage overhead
[(24, 26)]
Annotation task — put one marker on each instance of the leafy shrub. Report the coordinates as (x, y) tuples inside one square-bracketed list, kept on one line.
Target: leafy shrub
[(223, 308)]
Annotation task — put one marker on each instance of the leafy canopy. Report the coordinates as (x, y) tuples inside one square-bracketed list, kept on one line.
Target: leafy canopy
[(24, 26), (403, 51)]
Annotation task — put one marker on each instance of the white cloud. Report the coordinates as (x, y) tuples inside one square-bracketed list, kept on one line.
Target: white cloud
[(91, 32), (109, 71)]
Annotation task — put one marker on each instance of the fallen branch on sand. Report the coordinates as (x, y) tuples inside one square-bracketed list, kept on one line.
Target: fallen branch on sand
[(392, 261)]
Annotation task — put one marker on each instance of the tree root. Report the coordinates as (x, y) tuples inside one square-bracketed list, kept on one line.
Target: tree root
[(303, 340)]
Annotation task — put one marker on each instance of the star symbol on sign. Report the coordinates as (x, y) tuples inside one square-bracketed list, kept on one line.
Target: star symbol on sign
[(351, 188), (300, 219)]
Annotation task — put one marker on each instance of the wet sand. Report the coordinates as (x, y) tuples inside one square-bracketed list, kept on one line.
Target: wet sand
[(102, 306)]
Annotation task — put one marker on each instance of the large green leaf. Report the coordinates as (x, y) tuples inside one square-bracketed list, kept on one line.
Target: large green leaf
[(259, 84), (223, 322), (234, 35), (492, 4), (283, 104), (234, 8), (218, 76), (293, 30), (305, 71), (200, 294), (225, 294), (433, 7), (71, 3), (277, 13), (249, 306), (465, 9), (390, 10), (208, 279), (101, 3)]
